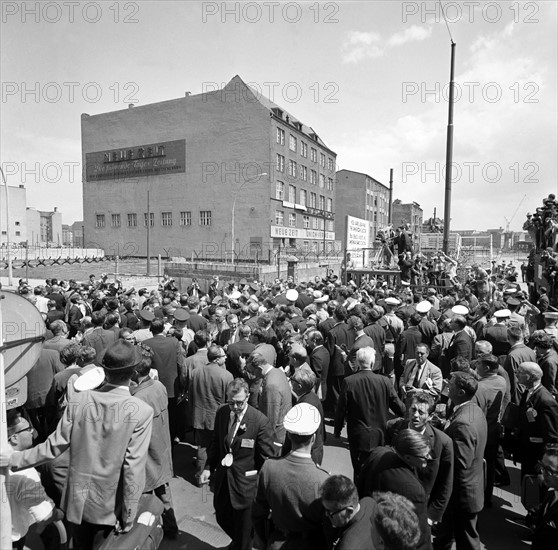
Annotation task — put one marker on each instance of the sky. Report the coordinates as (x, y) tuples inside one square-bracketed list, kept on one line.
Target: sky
[(371, 78)]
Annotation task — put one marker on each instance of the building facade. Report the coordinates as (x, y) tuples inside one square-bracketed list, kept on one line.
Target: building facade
[(364, 197), (209, 173), (408, 213), (44, 228), (17, 220)]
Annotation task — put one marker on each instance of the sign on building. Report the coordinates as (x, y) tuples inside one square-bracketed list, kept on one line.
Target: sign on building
[(357, 239)]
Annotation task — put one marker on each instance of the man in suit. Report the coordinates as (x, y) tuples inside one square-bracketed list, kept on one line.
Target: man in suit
[(207, 392), (538, 418), (519, 353), (408, 341), (378, 335), (241, 349), (198, 359), (319, 362), (288, 489), (361, 340), (461, 344), (107, 432), (231, 334), (242, 440), (437, 476), (99, 338), (546, 518), (78, 310), (497, 334), (395, 470), (168, 361), (365, 400), (427, 328), (467, 428), (420, 374)]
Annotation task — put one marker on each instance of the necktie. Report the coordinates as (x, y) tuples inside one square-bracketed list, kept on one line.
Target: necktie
[(417, 377), (232, 430)]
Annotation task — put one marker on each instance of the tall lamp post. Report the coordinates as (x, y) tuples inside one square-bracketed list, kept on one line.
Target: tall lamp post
[(233, 210), (8, 250)]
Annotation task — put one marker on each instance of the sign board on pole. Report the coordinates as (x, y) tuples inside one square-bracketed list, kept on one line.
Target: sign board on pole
[(358, 238)]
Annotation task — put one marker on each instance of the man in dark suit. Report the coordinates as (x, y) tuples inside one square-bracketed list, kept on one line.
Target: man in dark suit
[(378, 335), (437, 476), (461, 344), (242, 349), (168, 362), (468, 430), (497, 334), (339, 339), (427, 328), (365, 400), (319, 362), (395, 469), (519, 353), (78, 310), (546, 519), (538, 418), (407, 342), (99, 338), (242, 440)]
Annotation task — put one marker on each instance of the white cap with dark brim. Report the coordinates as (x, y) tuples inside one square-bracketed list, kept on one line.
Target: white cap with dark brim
[(302, 419)]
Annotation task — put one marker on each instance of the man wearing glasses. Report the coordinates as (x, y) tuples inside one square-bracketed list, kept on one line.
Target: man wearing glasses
[(242, 440), (546, 518)]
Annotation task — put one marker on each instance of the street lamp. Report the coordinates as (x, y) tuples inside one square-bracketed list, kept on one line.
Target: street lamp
[(8, 251), (233, 210)]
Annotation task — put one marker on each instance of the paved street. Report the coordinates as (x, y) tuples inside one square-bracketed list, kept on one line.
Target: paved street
[(199, 530)]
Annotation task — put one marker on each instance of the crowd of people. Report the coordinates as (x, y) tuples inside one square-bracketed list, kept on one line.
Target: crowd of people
[(435, 389)]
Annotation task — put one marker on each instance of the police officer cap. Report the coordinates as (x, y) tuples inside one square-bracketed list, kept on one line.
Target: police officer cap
[(235, 295), (254, 287), (392, 301), (405, 283), (502, 313), (292, 295), (513, 302), (510, 290), (424, 307), (302, 419), (181, 314), (551, 315), (147, 315), (460, 310)]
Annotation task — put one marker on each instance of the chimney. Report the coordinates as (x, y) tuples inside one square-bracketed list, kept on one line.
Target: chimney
[(130, 105), (56, 208), (187, 94)]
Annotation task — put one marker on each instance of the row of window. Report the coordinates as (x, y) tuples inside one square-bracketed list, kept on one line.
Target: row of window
[(317, 223), (295, 171), (324, 204), (293, 146), (166, 219)]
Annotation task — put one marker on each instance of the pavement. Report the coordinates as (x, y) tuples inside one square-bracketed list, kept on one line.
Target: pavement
[(498, 526)]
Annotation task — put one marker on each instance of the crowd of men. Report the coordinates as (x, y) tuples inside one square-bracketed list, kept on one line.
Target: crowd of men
[(434, 389)]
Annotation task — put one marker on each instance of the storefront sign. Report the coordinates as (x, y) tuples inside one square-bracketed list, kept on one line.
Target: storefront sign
[(167, 157), (279, 231)]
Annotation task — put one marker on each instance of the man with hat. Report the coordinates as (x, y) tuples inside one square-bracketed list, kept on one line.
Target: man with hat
[(393, 327), (497, 334), (427, 328), (107, 432), (144, 330), (288, 488)]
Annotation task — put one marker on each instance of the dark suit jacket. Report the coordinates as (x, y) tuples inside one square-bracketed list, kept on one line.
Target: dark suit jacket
[(518, 354), (378, 335), (461, 345), (167, 360), (100, 339), (365, 400), (385, 471), (497, 335), (319, 363), (546, 530), (243, 348), (468, 430), (437, 477), (249, 448), (338, 335)]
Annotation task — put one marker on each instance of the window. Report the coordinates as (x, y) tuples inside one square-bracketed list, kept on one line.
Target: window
[(330, 184), (280, 190), (303, 197), (304, 149), (132, 220), (205, 217), (279, 217), (292, 143), (292, 193), (315, 223), (280, 163), (304, 173), (330, 225), (292, 168), (322, 202), (115, 220), (166, 219), (151, 219), (330, 164), (313, 154), (329, 205), (306, 222), (280, 136), (306, 246), (292, 220), (375, 216), (100, 220), (185, 218), (322, 160), (313, 177), (322, 181), (17, 223), (18, 233), (313, 197), (375, 201)]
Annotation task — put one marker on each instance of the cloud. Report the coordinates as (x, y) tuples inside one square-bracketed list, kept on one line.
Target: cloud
[(365, 45), (362, 45), (412, 34)]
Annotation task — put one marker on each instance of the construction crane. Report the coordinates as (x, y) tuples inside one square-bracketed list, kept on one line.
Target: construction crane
[(513, 216)]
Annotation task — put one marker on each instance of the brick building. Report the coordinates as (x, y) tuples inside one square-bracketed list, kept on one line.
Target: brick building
[(205, 160), (411, 213)]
